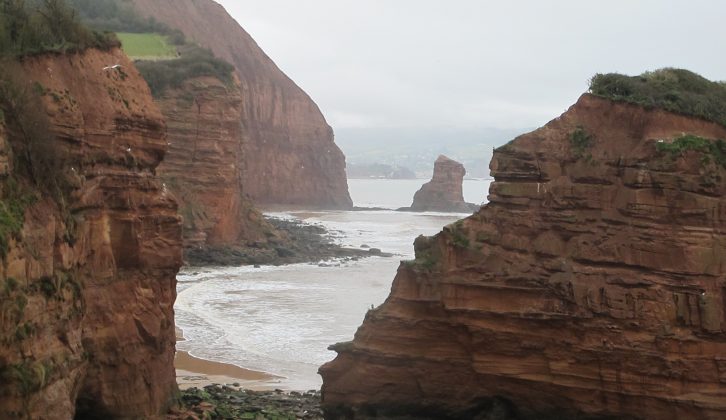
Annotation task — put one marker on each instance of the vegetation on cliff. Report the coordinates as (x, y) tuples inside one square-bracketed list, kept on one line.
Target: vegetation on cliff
[(712, 150), (40, 26), (120, 16), (13, 203), (193, 62), (674, 90), (36, 160), (34, 151), (580, 141), (141, 35)]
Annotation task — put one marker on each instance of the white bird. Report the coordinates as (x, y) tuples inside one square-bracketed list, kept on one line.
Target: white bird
[(114, 67)]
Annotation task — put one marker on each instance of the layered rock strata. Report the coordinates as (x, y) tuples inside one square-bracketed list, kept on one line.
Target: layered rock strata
[(591, 286), (88, 279), (203, 165), (445, 191), (289, 156)]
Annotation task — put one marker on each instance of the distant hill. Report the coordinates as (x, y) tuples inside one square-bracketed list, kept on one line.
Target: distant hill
[(378, 170), (418, 148)]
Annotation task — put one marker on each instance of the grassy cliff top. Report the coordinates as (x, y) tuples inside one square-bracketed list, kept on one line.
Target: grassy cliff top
[(146, 46), (674, 90)]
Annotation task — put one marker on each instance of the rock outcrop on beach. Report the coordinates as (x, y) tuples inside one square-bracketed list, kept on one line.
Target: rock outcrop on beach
[(203, 166), (591, 286), (90, 247), (289, 156), (444, 192)]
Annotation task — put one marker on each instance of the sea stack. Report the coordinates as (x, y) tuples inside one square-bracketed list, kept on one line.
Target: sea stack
[(444, 192), (590, 286)]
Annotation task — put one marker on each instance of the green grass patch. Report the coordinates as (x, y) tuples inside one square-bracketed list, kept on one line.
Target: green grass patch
[(147, 45), (712, 150), (674, 90)]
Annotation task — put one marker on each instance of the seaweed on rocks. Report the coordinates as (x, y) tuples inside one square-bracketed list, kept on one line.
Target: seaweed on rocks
[(303, 243), (229, 402)]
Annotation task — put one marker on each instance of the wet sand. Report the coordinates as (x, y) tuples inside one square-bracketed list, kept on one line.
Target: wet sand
[(195, 372)]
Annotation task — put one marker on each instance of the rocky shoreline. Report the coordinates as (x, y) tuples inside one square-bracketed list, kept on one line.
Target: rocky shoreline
[(231, 402), (304, 243)]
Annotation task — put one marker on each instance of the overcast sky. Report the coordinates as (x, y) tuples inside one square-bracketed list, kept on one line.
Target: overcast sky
[(474, 63)]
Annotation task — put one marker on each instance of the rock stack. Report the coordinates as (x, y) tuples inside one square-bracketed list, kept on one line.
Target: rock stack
[(444, 192)]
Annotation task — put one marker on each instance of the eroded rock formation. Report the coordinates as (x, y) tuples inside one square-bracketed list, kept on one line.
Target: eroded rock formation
[(203, 165), (88, 279), (445, 190), (289, 155), (591, 285)]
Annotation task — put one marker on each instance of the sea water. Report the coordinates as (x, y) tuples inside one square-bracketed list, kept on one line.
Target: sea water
[(281, 320)]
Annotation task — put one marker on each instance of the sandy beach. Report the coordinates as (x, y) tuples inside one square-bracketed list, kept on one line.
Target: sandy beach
[(195, 372)]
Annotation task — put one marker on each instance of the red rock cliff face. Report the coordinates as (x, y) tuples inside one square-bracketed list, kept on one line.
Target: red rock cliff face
[(592, 284), (203, 164), (290, 157), (89, 282)]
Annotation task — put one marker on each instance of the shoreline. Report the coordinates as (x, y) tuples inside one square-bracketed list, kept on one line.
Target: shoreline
[(300, 242), (192, 371), (196, 372)]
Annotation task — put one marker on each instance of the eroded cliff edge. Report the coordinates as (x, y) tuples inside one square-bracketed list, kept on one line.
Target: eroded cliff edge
[(88, 274), (591, 285), (289, 156)]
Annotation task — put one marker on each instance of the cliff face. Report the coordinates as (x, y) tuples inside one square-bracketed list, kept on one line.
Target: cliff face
[(445, 191), (289, 154), (88, 281), (203, 164), (592, 284)]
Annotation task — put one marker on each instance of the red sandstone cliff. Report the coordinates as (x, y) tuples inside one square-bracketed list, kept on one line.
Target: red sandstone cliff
[(88, 284), (445, 191), (203, 164), (592, 284), (289, 154)]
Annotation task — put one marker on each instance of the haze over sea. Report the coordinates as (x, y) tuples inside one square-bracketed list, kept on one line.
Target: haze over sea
[(281, 320)]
